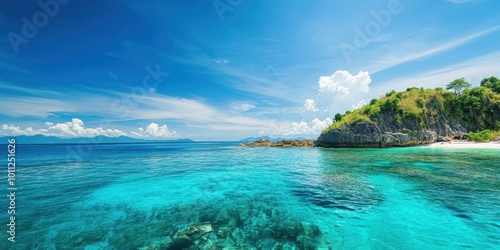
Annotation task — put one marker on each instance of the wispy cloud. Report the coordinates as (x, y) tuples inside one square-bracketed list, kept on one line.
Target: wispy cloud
[(242, 106), (472, 70), (33, 107), (31, 91), (153, 107), (406, 54), (256, 76), (13, 68)]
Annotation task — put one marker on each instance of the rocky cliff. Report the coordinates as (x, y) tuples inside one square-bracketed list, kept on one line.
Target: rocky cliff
[(388, 134), (410, 118)]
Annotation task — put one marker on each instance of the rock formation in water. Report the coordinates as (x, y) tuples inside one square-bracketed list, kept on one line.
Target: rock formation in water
[(308, 143)]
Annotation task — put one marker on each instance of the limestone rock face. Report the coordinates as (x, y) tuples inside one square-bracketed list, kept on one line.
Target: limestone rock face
[(387, 132), (362, 135)]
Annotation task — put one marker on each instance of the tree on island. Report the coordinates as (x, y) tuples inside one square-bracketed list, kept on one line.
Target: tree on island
[(493, 83), (458, 85), (338, 117)]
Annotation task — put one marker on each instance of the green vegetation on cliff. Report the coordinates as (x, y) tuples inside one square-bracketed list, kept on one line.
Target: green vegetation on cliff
[(476, 108)]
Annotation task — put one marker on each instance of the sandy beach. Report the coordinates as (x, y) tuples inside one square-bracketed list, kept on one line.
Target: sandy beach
[(465, 144)]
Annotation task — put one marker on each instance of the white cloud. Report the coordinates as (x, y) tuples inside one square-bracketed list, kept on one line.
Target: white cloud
[(16, 130), (153, 130), (359, 104), (298, 128), (343, 82), (309, 105), (317, 125), (242, 106), (220, 61), (336, 94), (76, 128), (326, 83)]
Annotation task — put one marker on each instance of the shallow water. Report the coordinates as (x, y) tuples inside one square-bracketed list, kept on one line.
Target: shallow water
[(216, 195)]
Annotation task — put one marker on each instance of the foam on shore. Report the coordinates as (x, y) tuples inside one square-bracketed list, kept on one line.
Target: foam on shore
[(465, 145)]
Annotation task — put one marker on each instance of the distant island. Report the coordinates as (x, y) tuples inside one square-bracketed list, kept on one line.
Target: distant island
[(41, 139), (420, 116)]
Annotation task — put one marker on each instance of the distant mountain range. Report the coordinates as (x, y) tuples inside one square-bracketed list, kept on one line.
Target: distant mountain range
[(252, 139), (41, 139)]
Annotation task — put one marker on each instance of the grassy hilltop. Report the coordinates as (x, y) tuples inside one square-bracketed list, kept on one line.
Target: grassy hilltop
[(477, 109)]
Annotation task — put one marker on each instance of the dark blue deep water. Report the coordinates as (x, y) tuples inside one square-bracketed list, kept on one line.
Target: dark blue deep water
[(221, 196)]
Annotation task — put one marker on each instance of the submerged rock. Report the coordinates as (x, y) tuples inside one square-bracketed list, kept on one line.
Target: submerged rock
[(195, 229), (247, 225)]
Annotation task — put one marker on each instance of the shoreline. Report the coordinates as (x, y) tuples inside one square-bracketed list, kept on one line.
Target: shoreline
[(464, 145), (308, 143)]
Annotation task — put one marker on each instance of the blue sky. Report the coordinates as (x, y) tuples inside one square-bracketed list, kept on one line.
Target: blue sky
[(227, 69)]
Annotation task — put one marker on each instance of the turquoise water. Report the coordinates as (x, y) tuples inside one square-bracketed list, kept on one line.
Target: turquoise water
[(216, 195)]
